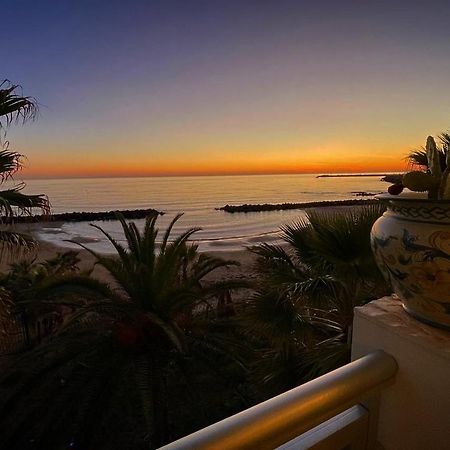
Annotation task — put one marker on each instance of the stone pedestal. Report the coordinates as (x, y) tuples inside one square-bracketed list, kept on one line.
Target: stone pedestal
[(415, 410)]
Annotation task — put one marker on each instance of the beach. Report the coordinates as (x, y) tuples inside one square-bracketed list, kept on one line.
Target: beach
[(244, 269), (45, 250), (198, 199), (262, 205)]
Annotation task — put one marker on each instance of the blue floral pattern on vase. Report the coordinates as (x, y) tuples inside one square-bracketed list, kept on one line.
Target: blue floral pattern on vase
[(412, 249)]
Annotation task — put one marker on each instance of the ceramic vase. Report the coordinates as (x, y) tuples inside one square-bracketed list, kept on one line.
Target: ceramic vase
[(411, 244)]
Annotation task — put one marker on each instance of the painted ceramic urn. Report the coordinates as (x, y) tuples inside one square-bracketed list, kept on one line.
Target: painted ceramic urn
[(411, 244)]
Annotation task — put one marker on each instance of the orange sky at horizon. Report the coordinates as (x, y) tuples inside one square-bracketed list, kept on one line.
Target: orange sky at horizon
[(227, 88), (238, 166), (344, 156)]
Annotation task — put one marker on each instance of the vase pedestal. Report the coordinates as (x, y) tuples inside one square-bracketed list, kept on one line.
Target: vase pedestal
[(415, 410)]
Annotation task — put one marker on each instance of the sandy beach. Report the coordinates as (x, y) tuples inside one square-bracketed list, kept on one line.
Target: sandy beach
[(246, 259), (46, 250)]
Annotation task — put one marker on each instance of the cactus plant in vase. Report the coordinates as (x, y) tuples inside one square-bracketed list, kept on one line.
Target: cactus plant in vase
[(411, 241)]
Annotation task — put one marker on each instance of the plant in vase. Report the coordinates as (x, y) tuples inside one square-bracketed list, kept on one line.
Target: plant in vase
[(435, 178), (411, 241)]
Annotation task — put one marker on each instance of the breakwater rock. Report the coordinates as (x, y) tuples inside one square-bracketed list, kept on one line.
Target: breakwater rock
[(283, 206), (393, 178), (87, 216), (365, 194), (350, 175)]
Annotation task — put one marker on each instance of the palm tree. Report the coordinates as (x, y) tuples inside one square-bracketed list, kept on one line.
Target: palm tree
[(302, 311), (14, 108), (27, 317), (127, 368)]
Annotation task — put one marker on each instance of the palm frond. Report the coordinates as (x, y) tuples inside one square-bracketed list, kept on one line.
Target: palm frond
[(24, 203), (14, 106), (122, 252), (306, 292), (14, 244), (168, 231), (129, 359), (10, 163)]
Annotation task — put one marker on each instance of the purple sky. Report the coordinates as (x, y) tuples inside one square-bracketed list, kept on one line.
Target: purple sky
[(151, 87)]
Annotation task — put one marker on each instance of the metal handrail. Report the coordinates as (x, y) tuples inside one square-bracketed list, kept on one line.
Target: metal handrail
[(286, 416)]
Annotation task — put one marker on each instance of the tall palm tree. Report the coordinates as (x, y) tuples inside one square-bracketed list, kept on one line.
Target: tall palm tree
[(15, 107), (302, 311), (127, 368)]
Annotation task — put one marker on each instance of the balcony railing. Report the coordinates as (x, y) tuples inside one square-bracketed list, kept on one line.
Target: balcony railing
[(338, 410)]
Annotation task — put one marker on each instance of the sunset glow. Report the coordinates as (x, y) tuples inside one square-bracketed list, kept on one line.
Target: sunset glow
[(181, 88), (230, 166)]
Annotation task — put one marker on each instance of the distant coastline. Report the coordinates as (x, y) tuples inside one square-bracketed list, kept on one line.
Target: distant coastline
[(341, 175)]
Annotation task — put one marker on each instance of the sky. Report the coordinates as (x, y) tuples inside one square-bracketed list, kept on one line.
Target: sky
[(137, 88)]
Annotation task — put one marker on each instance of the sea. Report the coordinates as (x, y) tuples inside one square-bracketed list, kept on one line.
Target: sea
[(197, 197)]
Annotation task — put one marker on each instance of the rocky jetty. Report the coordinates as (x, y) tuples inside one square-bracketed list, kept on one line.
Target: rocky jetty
[(393, 178), (350, 175), (365, 194), (283, 206), (87, 216)]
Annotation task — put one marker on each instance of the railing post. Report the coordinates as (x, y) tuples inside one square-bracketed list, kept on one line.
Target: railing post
[(372, 405)]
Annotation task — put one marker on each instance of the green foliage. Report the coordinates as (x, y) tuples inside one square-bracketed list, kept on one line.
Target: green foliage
[(434, 162), (14, 107), (302, 312), (162, 283), (27, 279), (27, 312), (127, 367), (135, 356)]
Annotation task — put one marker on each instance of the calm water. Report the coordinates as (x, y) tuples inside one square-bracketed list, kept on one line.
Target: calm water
[(196, 197)]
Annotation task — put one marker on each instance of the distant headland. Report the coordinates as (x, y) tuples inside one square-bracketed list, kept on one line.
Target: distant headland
[(344, 175)]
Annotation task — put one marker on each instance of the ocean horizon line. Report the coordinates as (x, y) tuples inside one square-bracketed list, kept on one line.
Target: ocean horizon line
[(322, 174)]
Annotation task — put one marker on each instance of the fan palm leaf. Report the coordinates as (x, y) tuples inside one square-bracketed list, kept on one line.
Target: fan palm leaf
[(303, 307), (14, 106), (14, 244)]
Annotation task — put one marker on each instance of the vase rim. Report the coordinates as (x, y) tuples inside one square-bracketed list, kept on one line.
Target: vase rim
[(410, 197)]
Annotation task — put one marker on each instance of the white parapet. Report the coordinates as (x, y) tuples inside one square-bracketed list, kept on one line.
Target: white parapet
[(415, 410)]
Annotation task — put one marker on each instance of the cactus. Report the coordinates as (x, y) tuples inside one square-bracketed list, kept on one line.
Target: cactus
[(419, 181), (434, 165), (444, 190), (434, 181)]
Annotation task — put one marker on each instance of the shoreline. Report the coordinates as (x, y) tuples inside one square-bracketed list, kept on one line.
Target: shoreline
[(348, 175), (47, 249), (54, 233), (130, 214)]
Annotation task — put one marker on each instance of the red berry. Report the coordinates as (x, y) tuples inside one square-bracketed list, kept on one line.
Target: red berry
[(127, 335), (395, 189)]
